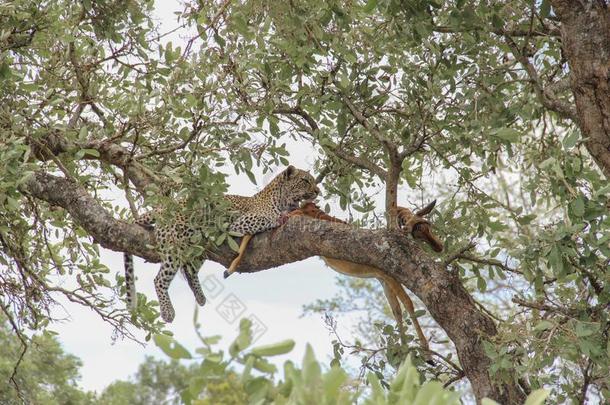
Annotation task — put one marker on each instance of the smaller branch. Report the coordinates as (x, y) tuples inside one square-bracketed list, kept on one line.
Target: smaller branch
[(586, 382), (129, 197), (313, 125), (76, 115), (552, 32), (541, 307), (447, 360), (359, 161), (322, 174), (458, 254), (453, 379), (312, 129), (597, 287), (546, 95), (503, 266), (197, 128), (98, 112), (389, 145), (84, 85)]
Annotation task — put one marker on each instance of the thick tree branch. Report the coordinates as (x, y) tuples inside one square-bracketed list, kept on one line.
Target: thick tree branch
[(88, 213)]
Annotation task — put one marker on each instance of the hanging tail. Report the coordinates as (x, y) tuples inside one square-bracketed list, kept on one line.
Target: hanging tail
[(130, 282)]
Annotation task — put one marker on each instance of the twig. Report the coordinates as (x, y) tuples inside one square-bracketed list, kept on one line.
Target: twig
[(24, 345), (541, 307), (458, 254), (503, 266), (586, 382), (546, 96)]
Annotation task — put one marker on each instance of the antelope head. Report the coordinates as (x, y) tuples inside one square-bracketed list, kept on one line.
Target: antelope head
[(418, 226)]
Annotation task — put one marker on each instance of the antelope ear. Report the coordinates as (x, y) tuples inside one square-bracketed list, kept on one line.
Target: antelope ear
[(289, 171), (426, 210)]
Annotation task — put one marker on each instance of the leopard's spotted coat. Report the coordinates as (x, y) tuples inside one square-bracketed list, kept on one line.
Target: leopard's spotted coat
[(255, 214)]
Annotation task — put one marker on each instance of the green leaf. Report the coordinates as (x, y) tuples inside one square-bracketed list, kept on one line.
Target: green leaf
[(243, 340), (5, 70), (508, 134), (481, 284), (91, 152), (526, 219), (311, 368), (333, 380), (545, 8), (232, 244), (543, 325), (586, 329), (378, 393), (219, 40), (571, 139), (170, 347), (211, 340), (83, 133), (370, 6), (537, 397), (555, 260), (264, 366), (496, 21), (274, 349), (578, 206)]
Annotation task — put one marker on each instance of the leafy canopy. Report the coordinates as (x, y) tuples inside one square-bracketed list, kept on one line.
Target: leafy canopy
[(435, 99)]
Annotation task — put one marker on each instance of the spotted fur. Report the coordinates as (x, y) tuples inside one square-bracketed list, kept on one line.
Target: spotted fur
[(261, 212)]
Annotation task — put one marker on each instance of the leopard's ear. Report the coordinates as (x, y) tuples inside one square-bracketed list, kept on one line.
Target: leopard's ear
[(289, 172)]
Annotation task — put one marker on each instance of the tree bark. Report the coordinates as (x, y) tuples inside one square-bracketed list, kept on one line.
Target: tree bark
[(86, 211), (441, 291), (585, 35)]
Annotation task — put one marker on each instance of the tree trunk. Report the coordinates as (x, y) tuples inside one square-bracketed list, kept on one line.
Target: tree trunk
[(585, 35)]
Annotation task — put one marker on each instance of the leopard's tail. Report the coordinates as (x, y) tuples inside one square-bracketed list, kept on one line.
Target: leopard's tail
[(130, 282), (147, 221)]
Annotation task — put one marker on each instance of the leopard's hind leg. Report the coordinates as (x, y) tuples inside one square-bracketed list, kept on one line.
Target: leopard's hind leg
[(192, 278), (164, 278)]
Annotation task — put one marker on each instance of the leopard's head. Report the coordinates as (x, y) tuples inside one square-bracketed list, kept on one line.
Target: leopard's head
[(293, 186)]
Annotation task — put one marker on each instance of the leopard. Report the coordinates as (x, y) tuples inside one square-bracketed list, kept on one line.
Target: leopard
[(249, 215)]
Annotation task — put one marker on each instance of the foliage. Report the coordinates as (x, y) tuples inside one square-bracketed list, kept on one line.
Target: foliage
[(161, 382), (439, 99), (256, 382), (45, 374)]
